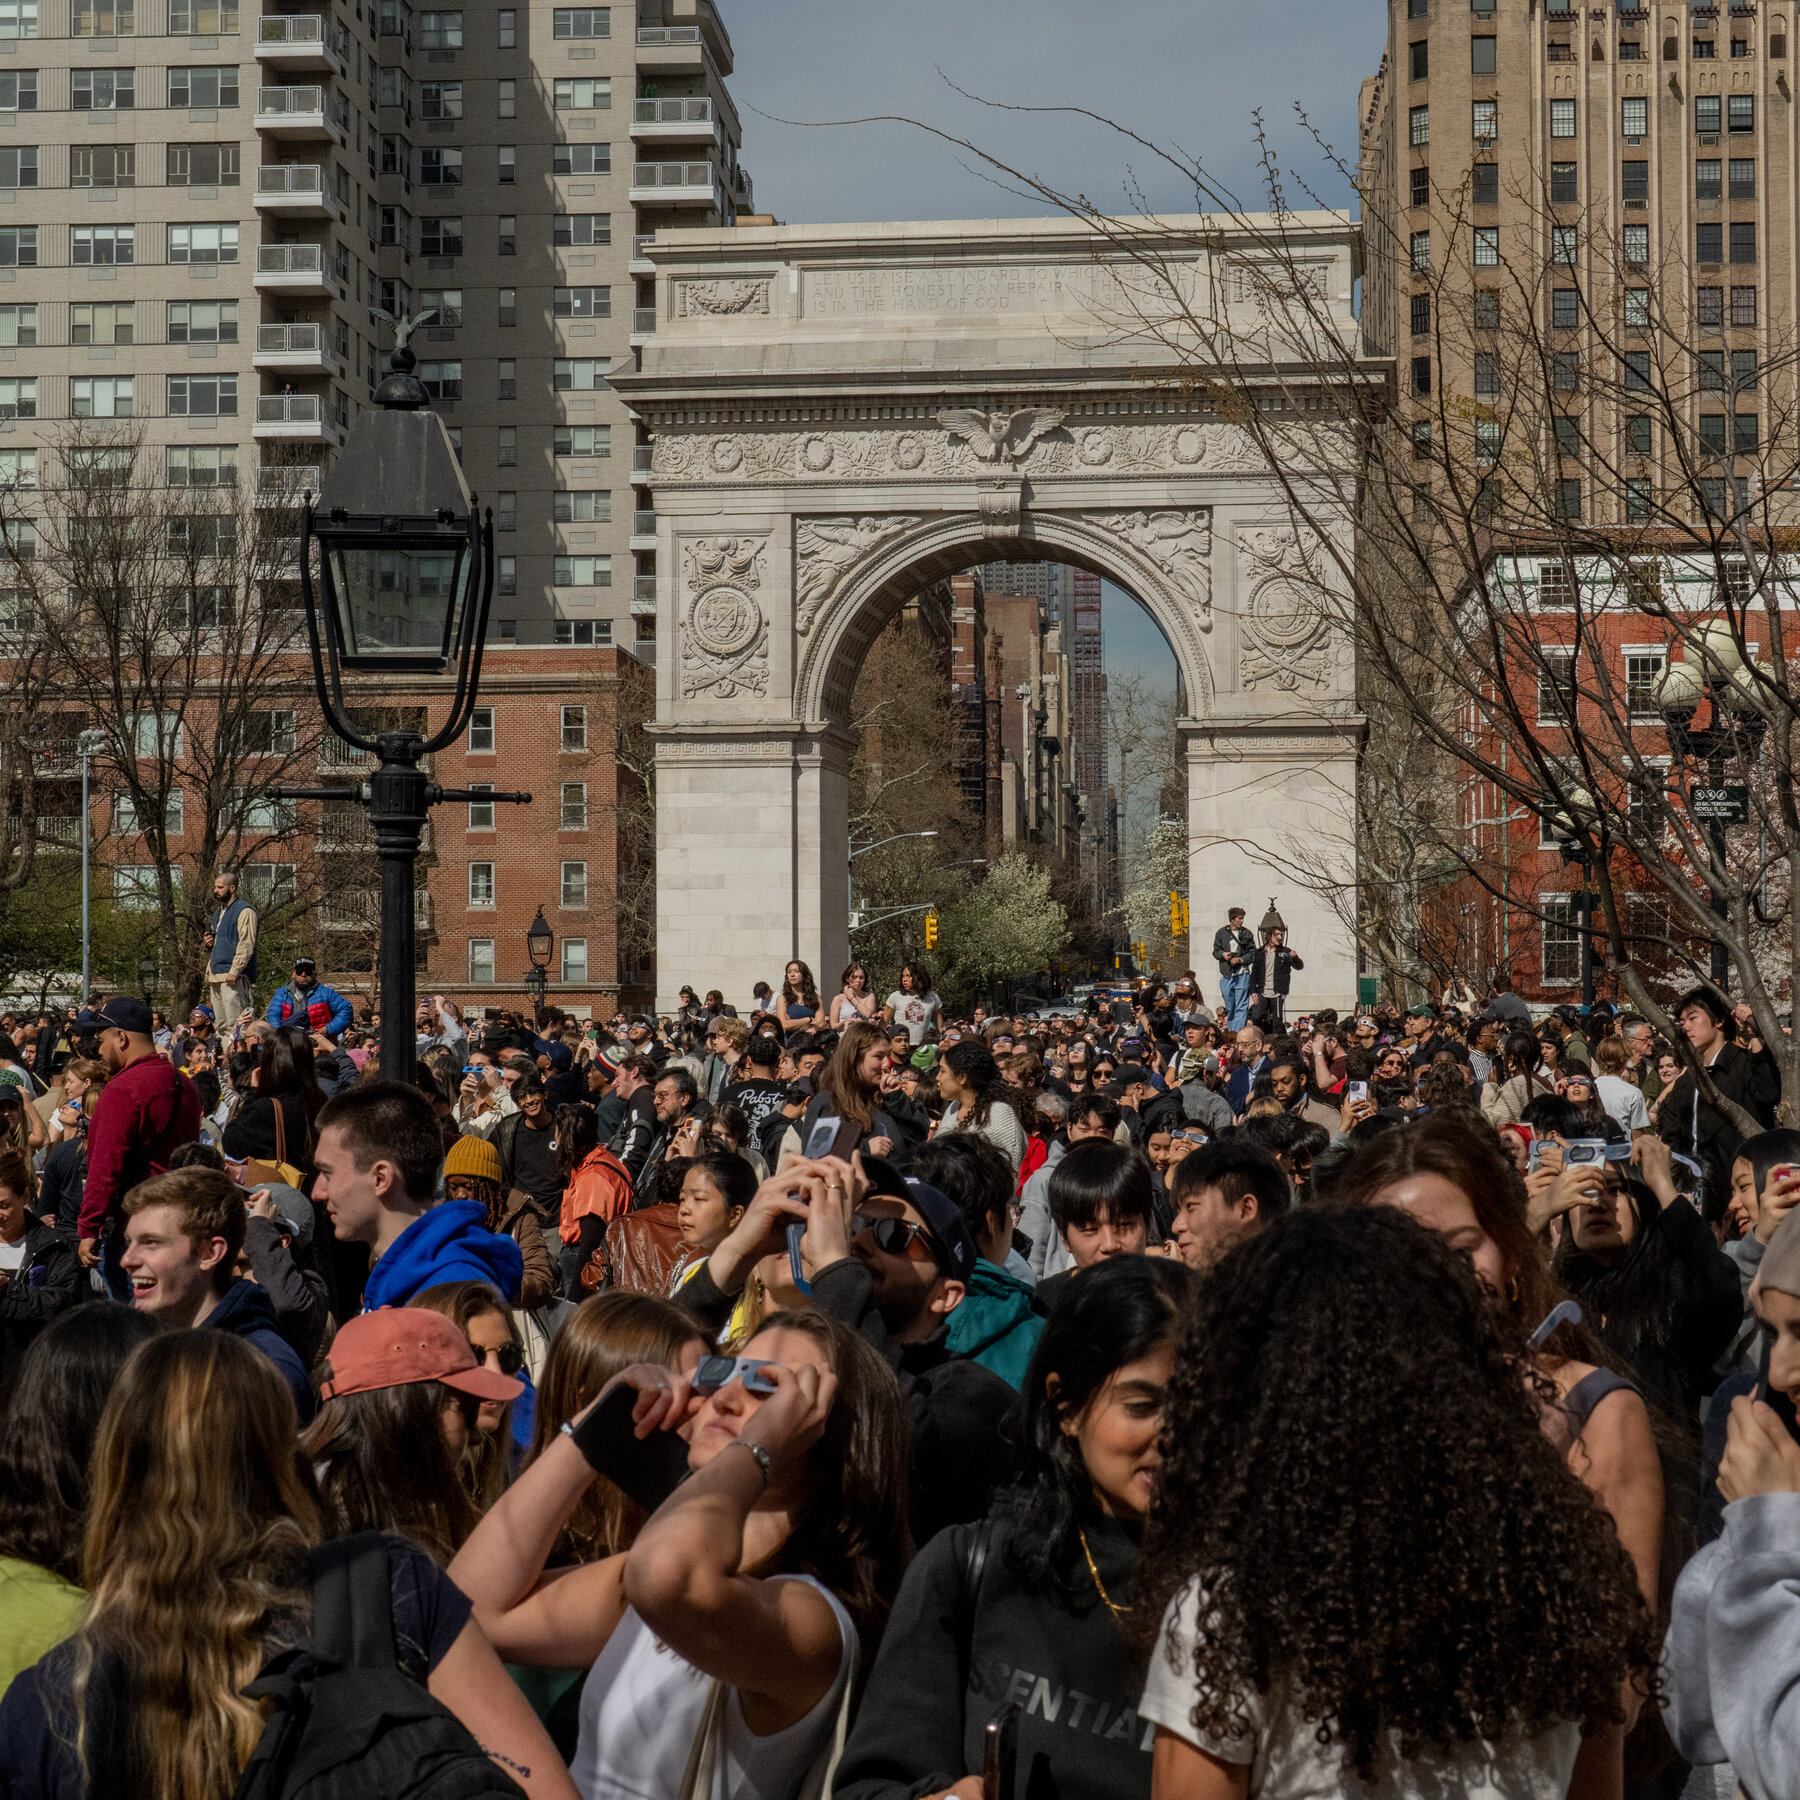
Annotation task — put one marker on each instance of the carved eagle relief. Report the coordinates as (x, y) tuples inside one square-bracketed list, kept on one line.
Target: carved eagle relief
[(993, 436)]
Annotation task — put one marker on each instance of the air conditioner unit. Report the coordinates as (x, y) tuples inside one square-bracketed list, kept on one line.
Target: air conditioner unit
[(1710, 268), (1634, 140), (1709, 138)]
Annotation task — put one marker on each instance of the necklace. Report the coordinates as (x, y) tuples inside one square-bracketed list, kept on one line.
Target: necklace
[(1117, 1611)]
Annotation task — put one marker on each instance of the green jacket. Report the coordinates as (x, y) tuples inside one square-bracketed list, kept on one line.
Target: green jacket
[(995, 1325)]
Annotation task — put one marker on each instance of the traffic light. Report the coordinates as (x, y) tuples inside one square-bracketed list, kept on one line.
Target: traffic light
[(1178, 916), (931, 931)]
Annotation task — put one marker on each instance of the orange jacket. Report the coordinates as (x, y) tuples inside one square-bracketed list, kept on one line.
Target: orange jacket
[(601, 1184)]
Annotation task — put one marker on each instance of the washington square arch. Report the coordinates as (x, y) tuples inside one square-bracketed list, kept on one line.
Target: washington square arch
[(841, 415)]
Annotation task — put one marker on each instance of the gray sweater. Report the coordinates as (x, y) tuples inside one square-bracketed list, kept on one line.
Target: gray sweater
[(1745, 1351), (1731, 1662)]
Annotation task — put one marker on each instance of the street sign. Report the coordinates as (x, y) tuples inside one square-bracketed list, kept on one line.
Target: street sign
[(1721, 805)]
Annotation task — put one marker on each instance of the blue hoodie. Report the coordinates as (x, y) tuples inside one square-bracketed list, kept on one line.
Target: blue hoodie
[(450, 1242), (247, 1312)]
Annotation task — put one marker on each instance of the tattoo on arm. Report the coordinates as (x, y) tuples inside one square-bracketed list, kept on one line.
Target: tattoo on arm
[(500, 1756)]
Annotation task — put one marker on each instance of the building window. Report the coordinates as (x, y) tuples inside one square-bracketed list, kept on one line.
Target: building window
[(574, 814), (574, 961), (1421, 315), (18, 470), (446, 306), (1487, 309), (18, 18), (1563, 244), (1637, 500), (1636, 244), (442, 380), (574, 728), (441, 30), (19, 166), (1634, 118), (1705, 49), (1709, 306), (580, 374), (1743, 371), (1418, 126), (1712, 371), (1709, 244), (1708, 115), (1484, 121), (1638, 441), (203, 396), (1564, 186), (440, 99), (506, 512), (581, 303), (574, 885), (97, 244), (481, 731), (102, 18), (481, 812), (1562, 118), (18, 90), (1637, 309), (1740, 113), (1484, 179), (1421, 252), (509, 446), (18, 327), (1556, 687), (1565, 308), (440, 237), (100, 397), (481, 884), (1562, 941), (507, 232), (581, 22), (1566, 435), (18, 398), (581, 229), (440, 168), (509, 28), (1487, 246), (1708, 172), (1743, 434), (1487, 442), (587, 93), (1743, 306), (508, 166), (202, 165), (582, 440), (1634, 183), (509, 99), (105, 324), (1482, 59), (203, 87), (508, 577), (1419, 59), (582, 571), (1637, 371), (1421, 439), (596, 159), (202, 321), (508, 379), (581, 506), (1568, 501), (18, 247), (1742, 171), (1487, 374), (1743, 241), (509, 308), (203, 243), (481, 961), (1421, 376)]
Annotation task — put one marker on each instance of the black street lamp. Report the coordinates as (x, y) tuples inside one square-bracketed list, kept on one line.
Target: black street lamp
[(406, 561), (1719, 674), (1566, 827), (540, 940), (147, 976)]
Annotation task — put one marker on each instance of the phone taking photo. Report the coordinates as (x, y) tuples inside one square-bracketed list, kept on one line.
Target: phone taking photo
[(1000, 1753)]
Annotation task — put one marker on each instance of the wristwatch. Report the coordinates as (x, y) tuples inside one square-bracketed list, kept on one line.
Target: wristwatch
[(764, 1461)]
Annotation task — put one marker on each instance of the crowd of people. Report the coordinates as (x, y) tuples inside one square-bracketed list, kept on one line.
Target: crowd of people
[(1118, 1400)]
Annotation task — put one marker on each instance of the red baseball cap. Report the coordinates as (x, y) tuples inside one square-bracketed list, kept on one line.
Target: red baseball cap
[(401, 1344)]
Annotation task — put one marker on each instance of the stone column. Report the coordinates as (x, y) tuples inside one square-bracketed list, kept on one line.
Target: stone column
[(822, 854), (1271, 811)]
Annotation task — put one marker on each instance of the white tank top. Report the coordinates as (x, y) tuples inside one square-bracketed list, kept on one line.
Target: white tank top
[(642, 1705)]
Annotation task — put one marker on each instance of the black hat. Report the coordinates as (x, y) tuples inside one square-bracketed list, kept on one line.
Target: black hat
[(127, 1014), (304, 965), (950, 1235)]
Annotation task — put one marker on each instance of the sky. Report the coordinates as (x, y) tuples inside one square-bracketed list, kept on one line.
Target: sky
[(1192, 74)]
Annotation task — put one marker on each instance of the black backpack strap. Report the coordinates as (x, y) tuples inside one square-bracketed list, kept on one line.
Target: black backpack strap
[(976, 1538), (353, 1604)]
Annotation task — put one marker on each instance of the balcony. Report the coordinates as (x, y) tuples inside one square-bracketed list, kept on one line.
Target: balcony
[(301, 418), (296, 269), (741, 192), (55, 831), (685, 121), (672, 50), (676, 184), (286, 487), (643, 596), (643, 323), (300, 113), (642, 458), (360, 910), (640, 263), (347, 829), (297, 191), (301, 349), (301, 42), (278, 558), (643, 531)]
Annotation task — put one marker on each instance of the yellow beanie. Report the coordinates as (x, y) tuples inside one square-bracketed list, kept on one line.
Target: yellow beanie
[(473, 1156)]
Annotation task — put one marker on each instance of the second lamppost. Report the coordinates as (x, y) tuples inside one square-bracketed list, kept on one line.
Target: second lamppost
[(540, 941)]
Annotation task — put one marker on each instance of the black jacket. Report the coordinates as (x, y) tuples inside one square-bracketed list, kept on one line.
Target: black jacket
[(1263, 979), (60, 1189), (1229, 942), (48, 1282), (1687, 1123), (954, 1654), (956, 1406), (637, 1132), (298, 1295)]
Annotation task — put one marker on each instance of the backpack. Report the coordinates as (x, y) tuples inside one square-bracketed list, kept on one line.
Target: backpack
[(353, 1726)]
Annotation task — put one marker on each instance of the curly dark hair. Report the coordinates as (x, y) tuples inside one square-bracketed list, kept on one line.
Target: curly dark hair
[(1344, 1378)]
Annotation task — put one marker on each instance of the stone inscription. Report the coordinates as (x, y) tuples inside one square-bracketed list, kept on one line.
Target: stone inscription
[(1044, 288)]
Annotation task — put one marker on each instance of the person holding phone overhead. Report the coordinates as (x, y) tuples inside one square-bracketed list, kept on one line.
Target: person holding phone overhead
[(732, 1629)]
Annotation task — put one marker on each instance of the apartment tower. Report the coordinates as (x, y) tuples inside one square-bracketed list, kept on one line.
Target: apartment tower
[(1632, 158), (202, 209)]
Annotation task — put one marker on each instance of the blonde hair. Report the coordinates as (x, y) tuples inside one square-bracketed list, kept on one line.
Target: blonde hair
[(199, 1528)]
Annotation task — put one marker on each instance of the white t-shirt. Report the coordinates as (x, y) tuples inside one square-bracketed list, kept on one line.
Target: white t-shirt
[(1287, 1762), (915, 1012), (1624, 1104), (642, 1704), (12, 1256)]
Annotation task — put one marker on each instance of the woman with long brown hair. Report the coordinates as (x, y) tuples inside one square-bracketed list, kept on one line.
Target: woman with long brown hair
[(481, 1314), (284, 1079), (849, 1091), (797, 1005), (197, 1563)]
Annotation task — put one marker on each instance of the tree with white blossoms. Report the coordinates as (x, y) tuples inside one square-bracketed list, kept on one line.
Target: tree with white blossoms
[(1007, 926), (1163, 863)]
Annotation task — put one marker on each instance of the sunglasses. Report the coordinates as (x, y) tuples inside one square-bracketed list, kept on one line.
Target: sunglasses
[(509, 1359), (892, 1237)]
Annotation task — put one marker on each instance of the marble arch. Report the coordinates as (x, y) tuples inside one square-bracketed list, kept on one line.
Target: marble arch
[(840, 415)]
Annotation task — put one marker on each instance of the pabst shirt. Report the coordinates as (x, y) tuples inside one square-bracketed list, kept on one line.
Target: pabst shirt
[(914, 1011)]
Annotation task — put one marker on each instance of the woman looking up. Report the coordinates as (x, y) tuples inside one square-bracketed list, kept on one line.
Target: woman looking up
[(1058, 1566), (1343, 1376)]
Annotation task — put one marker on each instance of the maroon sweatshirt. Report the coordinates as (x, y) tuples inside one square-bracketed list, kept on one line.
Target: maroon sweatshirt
[(144, 1114)]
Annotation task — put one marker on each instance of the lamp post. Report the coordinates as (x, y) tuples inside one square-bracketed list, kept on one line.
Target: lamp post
[(147, 976), (1566, 829), (406, 565), (540, 940), (87, 746), (1736, 729), (863, 850)]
